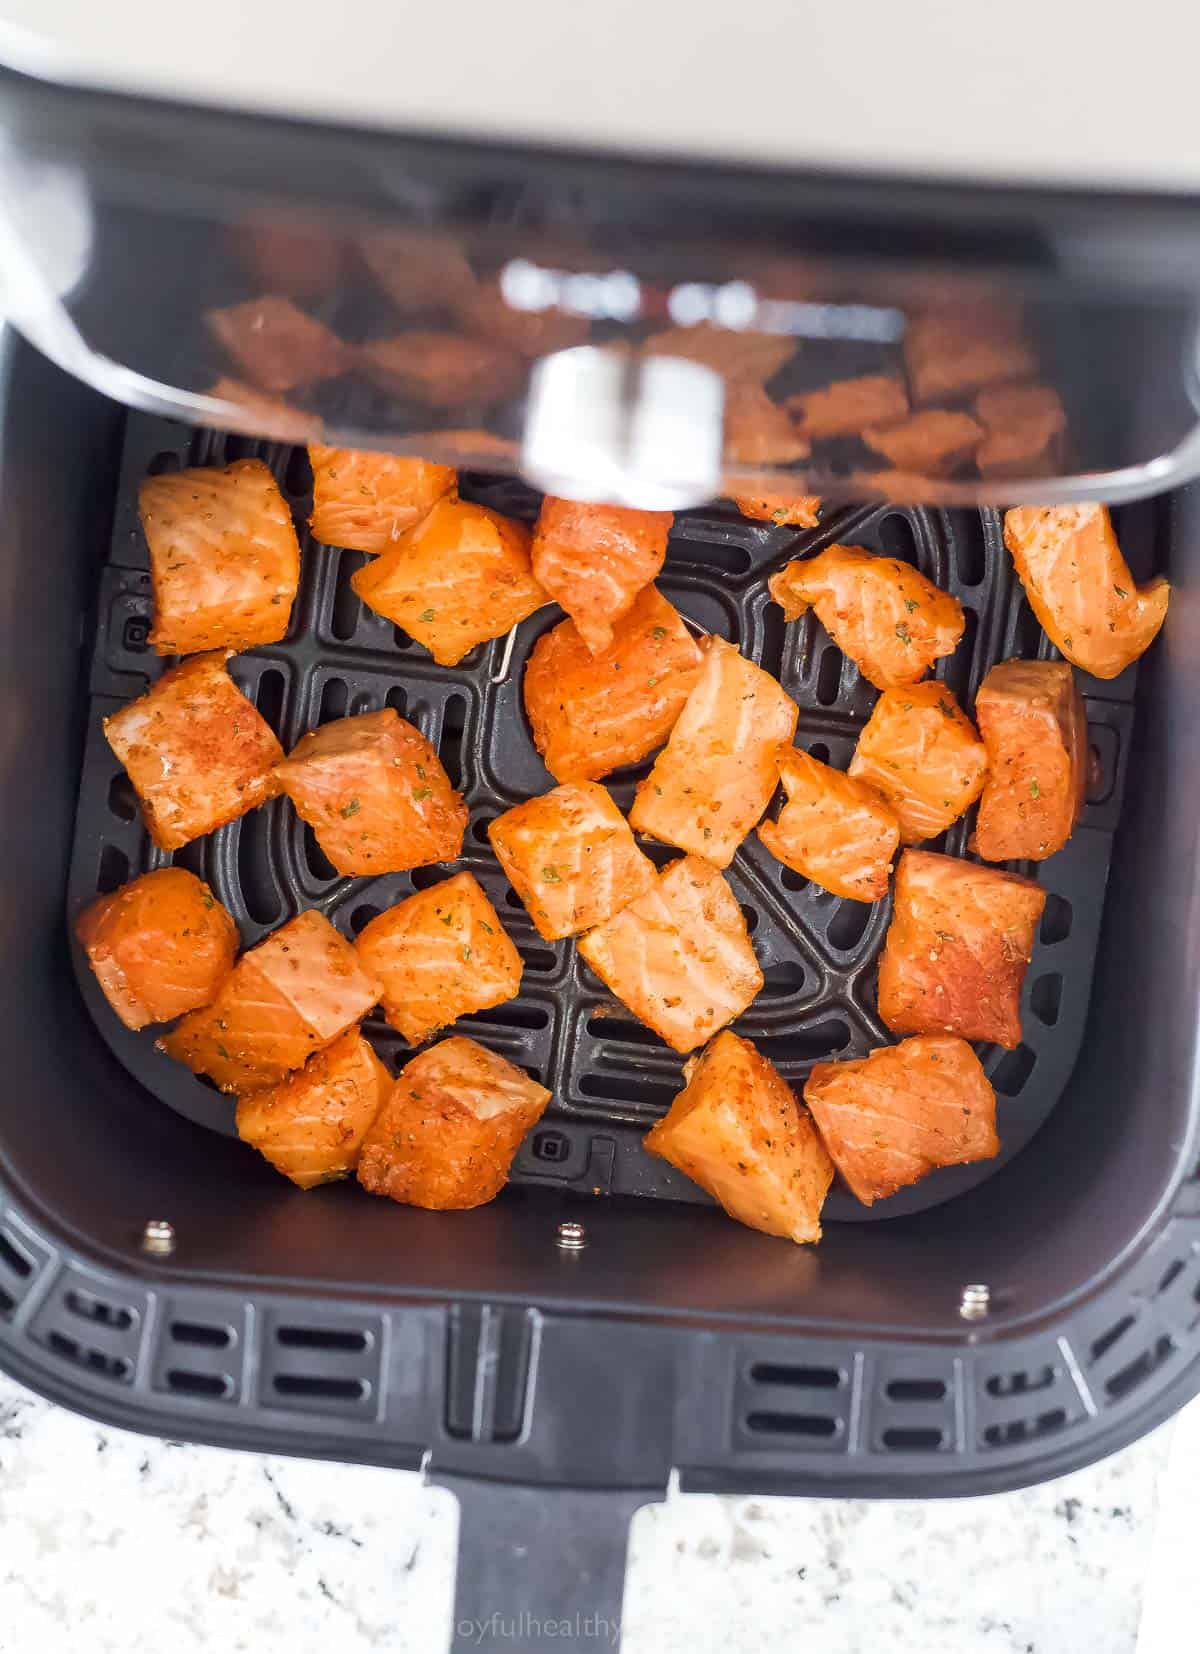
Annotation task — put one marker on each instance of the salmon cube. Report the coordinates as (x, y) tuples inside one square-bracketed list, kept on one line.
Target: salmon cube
[(440, 955), (485, 311), (198, 753), (923, 754), (311, 1125), (365, 501), (457, 578), (781, 509), (715, 776), (276, 345), (293, 994), (1080, 588), (571, 858), (840, 833), (680, 956), (595, 559), (892, 1117), (738, 1131), (730, 352), (417, 269), (447, 1133), (1034, 726), (224, 558), (443, 370), (757, 430), (933, 444), (374, 792), (849, 406), (592, 714), (1025, 426), (267, 415), (884, 614), (950, 354), (957, 949), (160, 945)]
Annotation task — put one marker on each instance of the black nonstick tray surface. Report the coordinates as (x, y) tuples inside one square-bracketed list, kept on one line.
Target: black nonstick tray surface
[(611, 1078)]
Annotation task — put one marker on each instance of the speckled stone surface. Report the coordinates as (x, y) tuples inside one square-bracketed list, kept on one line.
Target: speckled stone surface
[(112, 1543)]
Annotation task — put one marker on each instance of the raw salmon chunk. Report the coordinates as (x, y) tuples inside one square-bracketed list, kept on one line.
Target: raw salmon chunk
[(1025, 426), (934, 443), (595, 559), (837, 831), (440, 955), (738, 1131), (849, 406), (446, 1136), (680, 956), (952, 353), (733, 353), (160, 945), (1080, 588), (592, 714), (276, 345), (364, 501), (196, 750), (782, 509), (290, 996), (571, 858), (442, 370), (457, 578), (224, 558), (957, 949), (485, 311), (715, 776), (1032, 719), (892, 1117), (374, 791), (311, 1125), (417, 269), (757, 430), (923, 754), (271, 416), (884, 614)]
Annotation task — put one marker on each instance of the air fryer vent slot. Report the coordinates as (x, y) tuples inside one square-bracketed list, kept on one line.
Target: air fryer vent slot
[(1020, 1383), (116, 1367), (13, 1260), (1139, 1370), (331, 1366), (916, 1389), (211, 1338), (800, 1378), (323, 1338), (1025, 1430), (488, 1359), (792, 1424), (96, 1310), (803, 1404), (914, 1438)]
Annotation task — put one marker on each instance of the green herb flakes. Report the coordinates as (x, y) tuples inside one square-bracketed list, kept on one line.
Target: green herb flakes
[(351, 809)]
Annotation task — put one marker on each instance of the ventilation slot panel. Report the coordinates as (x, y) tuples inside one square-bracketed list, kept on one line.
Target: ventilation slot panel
[(799, 1403), (322, 1364), (200, 1351)]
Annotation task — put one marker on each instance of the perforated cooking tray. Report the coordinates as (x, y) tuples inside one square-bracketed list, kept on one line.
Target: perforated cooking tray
[(610, 1076)]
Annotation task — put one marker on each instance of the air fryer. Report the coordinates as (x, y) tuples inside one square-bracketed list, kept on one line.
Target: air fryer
[(600, 1331)]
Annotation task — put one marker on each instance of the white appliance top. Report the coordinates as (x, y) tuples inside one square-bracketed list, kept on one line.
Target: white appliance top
[(1039, 91)]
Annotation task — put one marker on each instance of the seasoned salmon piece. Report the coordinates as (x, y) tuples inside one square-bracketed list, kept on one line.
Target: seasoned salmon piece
[(883, 613), (442, 370), (417, 269), (592, 714), (922, 752), (485, 311), (595, 559), (311, 1125), (1034, 726), (892, 1117), (680, 956), (571, 858), (224, 558), (733, 354), (441, 954), (374, 792), (782, 509), (951, 354), (957, 949), (757, 430), (457, 578), (301, 261), (447, 1133), (160, 945), (1080, 588), (849, 406), (196, 750), (276, 345), (837, 831), (738, 1131), (271, 416), (290, 996), (365, 501), (715, 776), (932, 444), (1025, 426)]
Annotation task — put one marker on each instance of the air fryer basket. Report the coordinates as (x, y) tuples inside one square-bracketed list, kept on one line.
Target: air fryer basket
[(675, 1341)]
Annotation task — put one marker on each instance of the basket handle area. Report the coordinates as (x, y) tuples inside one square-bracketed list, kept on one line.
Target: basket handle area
[(540, 1568)]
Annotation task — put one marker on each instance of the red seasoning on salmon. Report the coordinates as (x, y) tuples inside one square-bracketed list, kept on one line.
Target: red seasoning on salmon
[(1034, 726), (923, 754), (714, 778), (311, 1125), (757, 430), (364, 501), (779, 508), (595, 559), (276, 345), (934, 443), (160, 945), (732, 352), (840, 833), (892, 1117), (848, 406)]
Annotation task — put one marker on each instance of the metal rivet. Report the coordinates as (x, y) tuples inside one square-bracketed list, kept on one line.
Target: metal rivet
[(975, 1302), (158, 1238), (572, 1237)]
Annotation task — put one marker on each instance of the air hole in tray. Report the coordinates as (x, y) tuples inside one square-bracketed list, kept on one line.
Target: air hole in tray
[(614, 1088), (787, 977), (916, 1389), (1045, 998), (1106, 1340), (603, 1025), (1027, 634), (397, 699), (1056, 919), (514, 1015), (793, 881), (122, 799), (801, 1378), (774, 634), (750, 915), (1136, 1372), (335, 698), (163, 463), (319, 864), (362, 916), (298, 477), (1020, 1383), (819, 751), (324, 1338), (822, 1039), (911, 1438), (327, 1389), (848, 925), (897, 537), (13, 1260), (829, 675), (254, 868), (1012, 1071), (733, 559), (792, 1424), (202, 1336), (96, 1310), (114, 869), (970, 546), (185, 1383), (454, 722), (347, 605)]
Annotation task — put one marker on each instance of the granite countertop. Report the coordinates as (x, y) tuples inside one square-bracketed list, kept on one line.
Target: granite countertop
[(112, 1543)]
